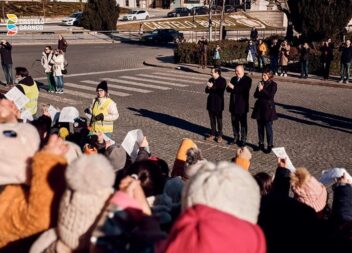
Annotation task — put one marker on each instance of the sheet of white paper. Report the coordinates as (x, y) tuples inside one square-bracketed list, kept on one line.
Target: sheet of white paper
[(108, 139), (26, 116), (328, 176), (281, 153), (54, 113), (131, 143), (68, 114), (17, 97)]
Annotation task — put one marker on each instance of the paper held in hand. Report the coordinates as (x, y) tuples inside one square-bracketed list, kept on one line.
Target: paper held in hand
[(68, 114), (131, 143), (17, 97), (328, 176), (281, 153)]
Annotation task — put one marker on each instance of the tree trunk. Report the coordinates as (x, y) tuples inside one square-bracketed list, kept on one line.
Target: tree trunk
[(222, 19)]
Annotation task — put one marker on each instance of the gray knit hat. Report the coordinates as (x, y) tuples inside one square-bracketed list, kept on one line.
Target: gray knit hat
[(226, 187)]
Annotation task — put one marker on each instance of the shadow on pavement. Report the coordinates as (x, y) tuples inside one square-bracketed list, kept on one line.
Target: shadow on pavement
[(327, 120)]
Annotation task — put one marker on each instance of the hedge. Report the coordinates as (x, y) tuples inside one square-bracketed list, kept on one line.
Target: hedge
[(233, 53)]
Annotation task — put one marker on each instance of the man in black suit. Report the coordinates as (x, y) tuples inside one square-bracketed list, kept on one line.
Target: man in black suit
[(215, 103), (239, 88)]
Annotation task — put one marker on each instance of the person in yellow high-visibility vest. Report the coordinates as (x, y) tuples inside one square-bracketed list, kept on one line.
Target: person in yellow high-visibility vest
[(29, 88), (104, 111)]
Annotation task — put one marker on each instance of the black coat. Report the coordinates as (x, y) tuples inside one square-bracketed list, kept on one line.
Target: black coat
[(346, 55), (327, 53), (215, 102), (264, 107), (342, 203), (239, 98), (5, 51)]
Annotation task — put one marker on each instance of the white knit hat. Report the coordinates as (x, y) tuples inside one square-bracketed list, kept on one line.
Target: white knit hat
[(226, 187), (18, 143), (90, 179)]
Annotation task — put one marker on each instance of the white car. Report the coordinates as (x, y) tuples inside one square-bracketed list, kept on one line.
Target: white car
[(74, 19), (136, 15)]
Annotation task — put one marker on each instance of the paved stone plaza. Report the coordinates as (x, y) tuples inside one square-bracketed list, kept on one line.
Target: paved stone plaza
[(315, 122)]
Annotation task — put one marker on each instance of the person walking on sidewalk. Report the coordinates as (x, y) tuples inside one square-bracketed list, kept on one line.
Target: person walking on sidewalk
[(326, 57), (239, 88), (262, 49), (215, 103), (346, 59), (62, 44), (29, 88), (264, 109), (47, 56), (6, 60), (251, 52), (103, 110), (202, 51), (58, 62), (274, 56), (217, 57), (304, 59), (284, 54)]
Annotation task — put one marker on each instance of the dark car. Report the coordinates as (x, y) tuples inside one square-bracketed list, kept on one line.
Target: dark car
[(239, 5), (178, 12), (162, 36), (200, 10), (229, 8)]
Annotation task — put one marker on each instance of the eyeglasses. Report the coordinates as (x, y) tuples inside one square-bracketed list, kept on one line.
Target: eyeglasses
[(100, 90)]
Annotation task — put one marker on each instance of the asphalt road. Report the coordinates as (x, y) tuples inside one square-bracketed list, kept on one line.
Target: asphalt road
[(315, 124)]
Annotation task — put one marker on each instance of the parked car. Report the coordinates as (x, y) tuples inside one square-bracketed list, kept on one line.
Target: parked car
[(136, 15), (74, 19), (162, 36), (229, 8), (239, 5), (200, 10), (178, 12)]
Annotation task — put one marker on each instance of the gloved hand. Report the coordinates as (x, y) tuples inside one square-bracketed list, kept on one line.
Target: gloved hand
[(87, 110), (99, 117)]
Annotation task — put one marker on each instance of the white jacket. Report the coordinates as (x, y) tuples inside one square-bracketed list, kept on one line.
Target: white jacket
[(58, 62), (45, 61)]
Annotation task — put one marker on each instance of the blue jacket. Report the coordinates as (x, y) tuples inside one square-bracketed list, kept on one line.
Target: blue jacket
[(253, 49)]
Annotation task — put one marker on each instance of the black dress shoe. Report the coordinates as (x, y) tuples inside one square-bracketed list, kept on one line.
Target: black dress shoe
[(269, 149), (241, 144), (260, 147)]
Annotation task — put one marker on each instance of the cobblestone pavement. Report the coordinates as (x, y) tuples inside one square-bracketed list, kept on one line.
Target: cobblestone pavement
[(315, 124)]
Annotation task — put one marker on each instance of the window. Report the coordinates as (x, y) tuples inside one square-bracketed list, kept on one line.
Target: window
[(192, 1), (127, 3)]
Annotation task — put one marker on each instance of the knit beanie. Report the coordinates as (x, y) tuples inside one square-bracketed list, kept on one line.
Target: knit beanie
[(226, 187), (207, 230), (185, 145), (243, 157), (18, 143), (117, 156), (89, 179), (103, 85), (308, 190), (63, 133)]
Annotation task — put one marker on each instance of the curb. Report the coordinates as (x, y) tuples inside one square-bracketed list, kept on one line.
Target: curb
[(291, 79)]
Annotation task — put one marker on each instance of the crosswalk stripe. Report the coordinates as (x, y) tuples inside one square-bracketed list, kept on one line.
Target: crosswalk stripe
[(168, 78), (185, 73), (180, 74), (58, 99), (118, 86), (153, 81), (151, 86), (82, 87), (78, 93)]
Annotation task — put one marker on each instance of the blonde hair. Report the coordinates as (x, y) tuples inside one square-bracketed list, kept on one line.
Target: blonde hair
[(300, 177)]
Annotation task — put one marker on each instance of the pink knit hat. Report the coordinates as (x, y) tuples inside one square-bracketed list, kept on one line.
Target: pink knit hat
[(308, 190)]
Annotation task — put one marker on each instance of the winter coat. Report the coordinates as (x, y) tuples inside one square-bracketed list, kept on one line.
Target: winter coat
[(27, 210), (304, 54), (274, 50), (215, 101), (239, 98), (254, 34), (62, 45), (59, 64), (327, 53), (5, 52), (253, 50), (46, 62), (342, 203), (346, 55), (264, 107), (262, 49), (284, 54)]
